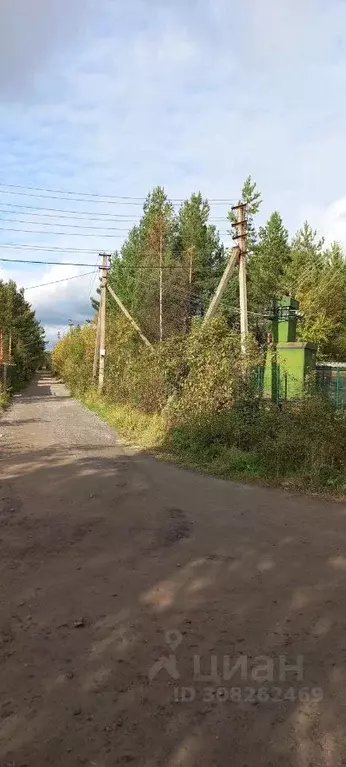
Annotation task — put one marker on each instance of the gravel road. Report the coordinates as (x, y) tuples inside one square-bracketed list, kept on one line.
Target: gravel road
[(136, 598)]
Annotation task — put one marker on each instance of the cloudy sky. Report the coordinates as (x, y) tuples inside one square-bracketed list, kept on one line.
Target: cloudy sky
[(112, 97)]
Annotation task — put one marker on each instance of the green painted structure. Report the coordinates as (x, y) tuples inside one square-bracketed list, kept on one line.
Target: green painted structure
[(289, 362)]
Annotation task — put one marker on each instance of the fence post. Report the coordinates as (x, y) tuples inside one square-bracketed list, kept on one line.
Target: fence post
[(338, 404)]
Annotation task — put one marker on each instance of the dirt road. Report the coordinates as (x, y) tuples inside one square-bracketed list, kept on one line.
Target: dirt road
[(126, 583)]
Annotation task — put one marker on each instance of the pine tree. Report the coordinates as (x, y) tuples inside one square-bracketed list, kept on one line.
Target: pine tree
[(201, 254), (134, 273), (268, 264)]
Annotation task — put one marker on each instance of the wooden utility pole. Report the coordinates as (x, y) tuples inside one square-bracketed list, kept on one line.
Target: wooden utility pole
[(128, 315), (102, 313), (97, 347), (238, 256), (240, 236), (190, 252), (161, 283)]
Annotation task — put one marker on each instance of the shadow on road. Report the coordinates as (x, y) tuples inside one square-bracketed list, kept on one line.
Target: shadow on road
[(103, 554)]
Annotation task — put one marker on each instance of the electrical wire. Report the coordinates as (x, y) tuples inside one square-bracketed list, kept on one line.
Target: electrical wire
[(98, 201), (92, 284), (54, 282), (70, 263), (46, 248), (70, 226), (98, 196), (44, 263), (79, 215), (76, 214), (76, 234), (65, 234)]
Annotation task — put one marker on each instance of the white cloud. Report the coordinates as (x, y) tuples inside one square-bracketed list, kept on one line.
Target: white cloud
[(192, 96), (330, 221), (30, 33)]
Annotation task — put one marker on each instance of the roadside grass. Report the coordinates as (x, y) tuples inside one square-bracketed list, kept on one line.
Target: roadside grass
[(146, 431), (271, 462), (4, 400)]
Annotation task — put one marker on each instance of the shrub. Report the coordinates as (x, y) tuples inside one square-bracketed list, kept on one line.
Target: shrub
[(206, 404)]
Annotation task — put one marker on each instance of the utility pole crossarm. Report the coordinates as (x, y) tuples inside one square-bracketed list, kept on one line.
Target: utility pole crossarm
[(128, 315)]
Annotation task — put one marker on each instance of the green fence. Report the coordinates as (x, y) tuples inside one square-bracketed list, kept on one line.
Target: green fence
[(331, 381)]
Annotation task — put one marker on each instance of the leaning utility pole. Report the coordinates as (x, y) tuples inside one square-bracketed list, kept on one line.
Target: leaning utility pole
[(128, 315), (240, 236), (216, 300), (102, 313)]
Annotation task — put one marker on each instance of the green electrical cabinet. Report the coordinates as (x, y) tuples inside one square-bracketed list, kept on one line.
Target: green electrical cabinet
[(289, 362)]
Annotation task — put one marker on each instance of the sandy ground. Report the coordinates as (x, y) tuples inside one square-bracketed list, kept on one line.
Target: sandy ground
[(136, 598)]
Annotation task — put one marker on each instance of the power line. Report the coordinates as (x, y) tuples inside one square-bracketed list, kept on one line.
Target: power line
[(95, 195), (79, 215), (71, 226), (66, 234), (54, 282), (46, 248), (74, 199), (44, 263), (70, 263), (100, 200), (92, 282), (102, 232), (77, 234)]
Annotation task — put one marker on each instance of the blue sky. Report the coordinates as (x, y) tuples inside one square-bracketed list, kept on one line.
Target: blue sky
[(116, 96)]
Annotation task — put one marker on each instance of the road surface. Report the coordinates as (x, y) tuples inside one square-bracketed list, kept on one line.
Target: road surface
[(136, 598)]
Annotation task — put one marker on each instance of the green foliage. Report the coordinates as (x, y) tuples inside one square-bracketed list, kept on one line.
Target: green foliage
[(270, 259), (201, 254), (196, 399), (134, 273), (192, 259), (317, 278), (193, 397), (22, 332), (72, 358), (215, 371)]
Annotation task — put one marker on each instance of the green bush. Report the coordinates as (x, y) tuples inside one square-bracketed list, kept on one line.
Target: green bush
[(198, 398)]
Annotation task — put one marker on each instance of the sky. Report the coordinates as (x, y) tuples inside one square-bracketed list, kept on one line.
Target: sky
[(104, 100)]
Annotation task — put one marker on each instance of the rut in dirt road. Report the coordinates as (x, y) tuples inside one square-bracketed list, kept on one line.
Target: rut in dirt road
[(130, 592)]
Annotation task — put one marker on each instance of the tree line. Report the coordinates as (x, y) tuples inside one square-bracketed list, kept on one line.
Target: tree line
[(23, 341), (193, 259)]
